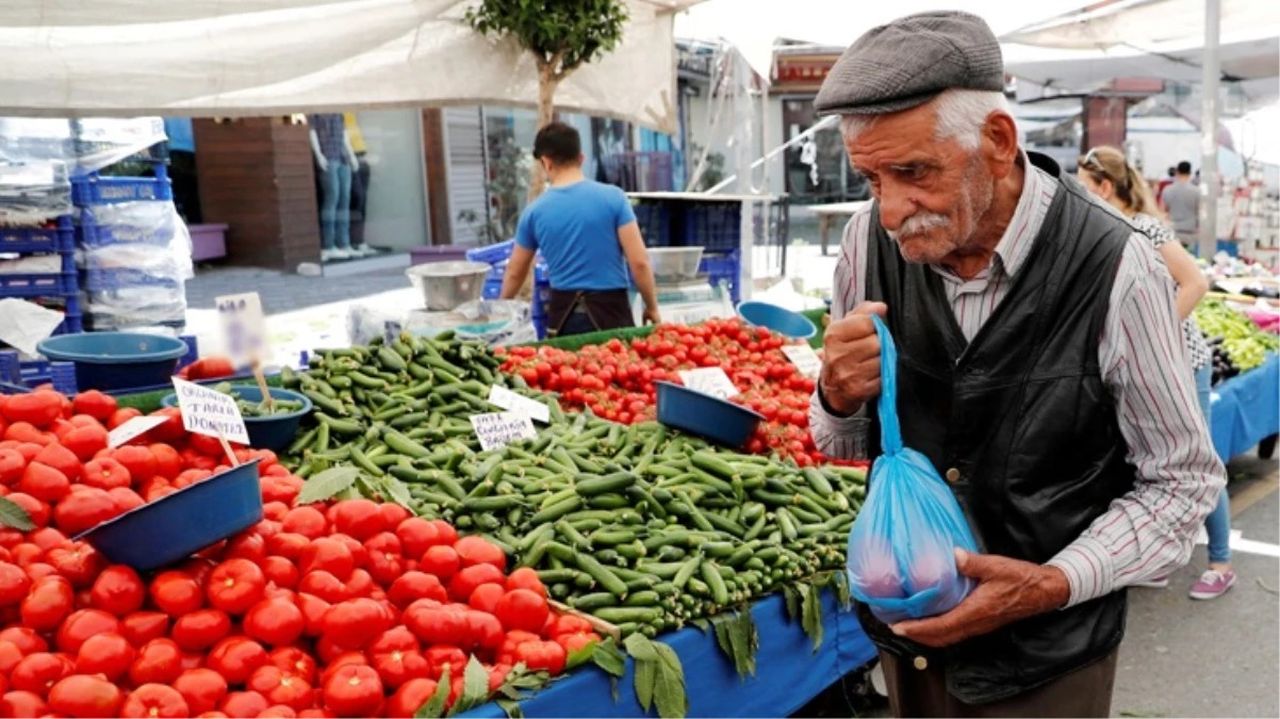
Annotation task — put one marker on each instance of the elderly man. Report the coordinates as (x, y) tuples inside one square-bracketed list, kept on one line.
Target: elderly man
[(1041, 369)]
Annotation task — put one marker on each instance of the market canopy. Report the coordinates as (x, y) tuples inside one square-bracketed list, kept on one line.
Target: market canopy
[(264, 57)]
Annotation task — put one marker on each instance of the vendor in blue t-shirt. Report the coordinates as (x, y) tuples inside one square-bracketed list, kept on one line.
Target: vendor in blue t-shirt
[(588, 235)]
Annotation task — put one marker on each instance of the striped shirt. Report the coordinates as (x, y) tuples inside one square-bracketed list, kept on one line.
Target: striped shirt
[(1149, 531)]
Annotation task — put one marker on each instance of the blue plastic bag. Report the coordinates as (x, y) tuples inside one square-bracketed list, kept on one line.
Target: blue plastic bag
[(901, 559)]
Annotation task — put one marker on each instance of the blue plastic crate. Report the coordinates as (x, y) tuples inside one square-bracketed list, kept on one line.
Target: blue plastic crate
[(59, 237), (119, 278), (492, 254), (96, 190), (17, 376), (92, 234), (492, 288), (54, 284), (725, 268), (715, 226), (654, 220)]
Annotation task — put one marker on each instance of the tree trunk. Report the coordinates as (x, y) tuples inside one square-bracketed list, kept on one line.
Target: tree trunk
[(547, 82)]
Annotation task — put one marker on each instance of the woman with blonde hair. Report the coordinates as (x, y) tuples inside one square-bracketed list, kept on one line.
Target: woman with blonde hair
[(1107, 174)]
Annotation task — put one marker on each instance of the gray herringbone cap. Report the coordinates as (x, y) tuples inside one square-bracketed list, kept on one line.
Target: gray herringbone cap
[(909, 61)]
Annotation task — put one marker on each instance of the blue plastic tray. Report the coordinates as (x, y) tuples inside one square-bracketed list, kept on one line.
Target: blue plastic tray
[(54, 284), (109, 360), (778, 319), (176, 526), (29, 240), (95, 190), (274, 432), (492, 254), (708, 417), (104, 280)]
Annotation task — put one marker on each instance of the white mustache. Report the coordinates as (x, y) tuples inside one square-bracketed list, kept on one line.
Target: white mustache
[(919, 223)]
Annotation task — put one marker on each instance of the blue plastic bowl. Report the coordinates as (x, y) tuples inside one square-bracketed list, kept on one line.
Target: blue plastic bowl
[(708, 417), (174, 527), (274, 432), (114, 360), (782, 321)]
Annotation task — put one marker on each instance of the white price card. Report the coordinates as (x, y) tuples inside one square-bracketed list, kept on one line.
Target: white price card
[(804, 358), (208, 412), (498, 429), (513, 402), (244, 328), (133, 428), (709, 380)]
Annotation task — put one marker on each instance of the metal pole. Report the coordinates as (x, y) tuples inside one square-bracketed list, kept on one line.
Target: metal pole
[(1209, 133), (819, 125)]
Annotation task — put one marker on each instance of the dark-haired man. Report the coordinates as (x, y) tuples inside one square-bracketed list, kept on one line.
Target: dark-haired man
[(1182, 199), (588, 234)]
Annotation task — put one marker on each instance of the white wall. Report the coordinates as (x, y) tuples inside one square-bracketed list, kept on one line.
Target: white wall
[(396, 214)]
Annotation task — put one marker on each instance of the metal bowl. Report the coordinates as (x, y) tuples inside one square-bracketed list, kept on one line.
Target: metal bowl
[(675, 263), (445, 285)]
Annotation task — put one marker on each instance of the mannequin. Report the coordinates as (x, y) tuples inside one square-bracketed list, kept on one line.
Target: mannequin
[(359, 185), (331, 148)]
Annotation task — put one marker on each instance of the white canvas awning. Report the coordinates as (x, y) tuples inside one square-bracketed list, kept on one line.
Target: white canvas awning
[(264, 57)]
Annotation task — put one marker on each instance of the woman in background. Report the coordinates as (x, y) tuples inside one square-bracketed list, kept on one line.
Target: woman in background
[(1107, 174)]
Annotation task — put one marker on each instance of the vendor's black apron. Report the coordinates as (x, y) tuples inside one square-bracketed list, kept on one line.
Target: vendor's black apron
[(1021, 423), (604, 309)]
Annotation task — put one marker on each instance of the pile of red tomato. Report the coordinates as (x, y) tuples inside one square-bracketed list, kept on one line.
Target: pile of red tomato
[(616, 379), (349, 608)]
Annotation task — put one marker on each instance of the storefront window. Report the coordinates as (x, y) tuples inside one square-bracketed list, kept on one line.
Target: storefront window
[(817, 169)]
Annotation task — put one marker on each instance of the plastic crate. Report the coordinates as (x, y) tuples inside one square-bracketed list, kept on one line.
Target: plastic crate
[(93, 189), (540, 327), (715, 226), (54, 284), (91, 234), (29, 240), (107, 280), (654, 220), (17, 376), (726, 268), (492, 254)]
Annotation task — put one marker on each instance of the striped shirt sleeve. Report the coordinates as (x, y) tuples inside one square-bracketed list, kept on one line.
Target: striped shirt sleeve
[(1149, 531), (833, 435)]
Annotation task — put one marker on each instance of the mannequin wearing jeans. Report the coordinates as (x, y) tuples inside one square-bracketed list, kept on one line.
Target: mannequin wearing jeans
[(334, 160)]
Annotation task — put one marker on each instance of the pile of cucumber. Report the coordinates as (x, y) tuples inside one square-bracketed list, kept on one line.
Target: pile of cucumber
[(376, 402), (642, 527), (258, 409)]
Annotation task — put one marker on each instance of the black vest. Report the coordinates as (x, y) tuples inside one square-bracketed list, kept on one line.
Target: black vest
[(1023, 414)]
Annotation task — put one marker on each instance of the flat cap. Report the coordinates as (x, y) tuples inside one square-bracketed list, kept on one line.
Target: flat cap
[(909, 61)]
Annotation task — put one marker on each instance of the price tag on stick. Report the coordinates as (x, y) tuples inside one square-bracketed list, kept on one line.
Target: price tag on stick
[(498, 429), (804, 358), (709, 380), (513, 402), (211, 413), (244, 328)]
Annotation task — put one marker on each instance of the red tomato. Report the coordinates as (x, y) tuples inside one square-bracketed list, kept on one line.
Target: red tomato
[(49, 602), (354, 691), (176, 593), (155, 700), (14, 584), (82, 624), (328, 554), (398, 666), (467, 579), (23, 704), (354, 623), (141, 627), (84, 509), (201, 629), (235, 658), (280, 687), (44, 482), (410, 697), (296, 662), (415, 585), (38, 672), (442, 561), (203, 689), (522, 609), (244, 704), (159, 661), (485, 598), (358, 518), (474, 550), (307, 521), (275, 622), (106, 654), (526, 578), (85, 696), (235, 585)]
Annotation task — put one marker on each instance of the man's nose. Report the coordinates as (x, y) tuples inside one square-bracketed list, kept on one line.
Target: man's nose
[(895, 207)]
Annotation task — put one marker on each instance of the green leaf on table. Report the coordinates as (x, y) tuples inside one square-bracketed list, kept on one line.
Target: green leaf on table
[(609, 657), (396, 491), (669, 693), (640, 647), (792, 599), (511, 708), (14, 516), (841, 582), (434, 708), (811, 613), (646, 678), (581, 655), (738, 639), (475, 687), (327, 484), (702, 623)]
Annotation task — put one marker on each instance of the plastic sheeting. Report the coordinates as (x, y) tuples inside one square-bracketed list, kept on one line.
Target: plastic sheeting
[(262, 57), (1243, 409)]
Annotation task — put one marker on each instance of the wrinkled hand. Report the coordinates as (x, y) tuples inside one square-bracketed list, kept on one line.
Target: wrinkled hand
[(1008, 590), (851, 359), (652, 316)]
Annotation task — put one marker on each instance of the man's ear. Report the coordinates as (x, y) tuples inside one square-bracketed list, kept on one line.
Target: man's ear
[(1000, 143)]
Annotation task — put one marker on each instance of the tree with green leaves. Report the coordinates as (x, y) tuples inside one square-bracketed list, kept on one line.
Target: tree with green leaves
[(561, 34)]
